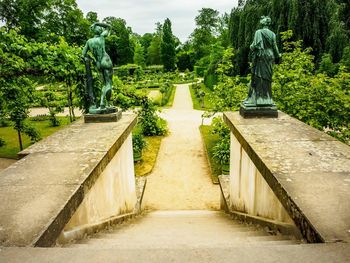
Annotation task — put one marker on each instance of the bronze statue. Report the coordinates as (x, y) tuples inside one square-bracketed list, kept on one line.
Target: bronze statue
[(264, 52), (104, 64)]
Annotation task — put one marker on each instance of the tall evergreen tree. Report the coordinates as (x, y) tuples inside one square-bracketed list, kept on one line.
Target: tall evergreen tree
[(168, 53)]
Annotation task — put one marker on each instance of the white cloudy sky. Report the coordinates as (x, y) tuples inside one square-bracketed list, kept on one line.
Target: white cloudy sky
[(141, 15)]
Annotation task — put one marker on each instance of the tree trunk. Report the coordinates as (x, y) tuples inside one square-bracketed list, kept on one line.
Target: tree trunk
[(20, 140), (69, 103), (73, 114)]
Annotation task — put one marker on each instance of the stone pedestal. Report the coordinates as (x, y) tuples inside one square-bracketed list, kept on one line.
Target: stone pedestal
[(251, 112), (110, 117)]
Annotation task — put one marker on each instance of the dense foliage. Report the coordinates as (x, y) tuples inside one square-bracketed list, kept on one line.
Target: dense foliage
[(317, 99)]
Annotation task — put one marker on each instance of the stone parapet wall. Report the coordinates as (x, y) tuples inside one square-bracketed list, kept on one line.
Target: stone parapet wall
[(65, 173), (283, 169), (249, 192)]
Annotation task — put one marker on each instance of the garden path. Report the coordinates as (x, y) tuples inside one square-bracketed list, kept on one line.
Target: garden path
[(44, 111), (181, 178), (5, 162)]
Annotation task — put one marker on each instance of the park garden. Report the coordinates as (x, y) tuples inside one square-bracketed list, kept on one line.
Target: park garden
[(41, 66)]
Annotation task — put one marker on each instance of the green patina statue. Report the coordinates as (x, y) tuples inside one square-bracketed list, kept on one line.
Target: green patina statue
[(264, 52), (104, 64)]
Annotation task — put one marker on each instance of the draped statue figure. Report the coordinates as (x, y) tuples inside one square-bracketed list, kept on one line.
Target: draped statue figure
[(264, 52)]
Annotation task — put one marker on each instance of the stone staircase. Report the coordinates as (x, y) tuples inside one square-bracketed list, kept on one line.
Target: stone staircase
[(188, 229), (182, 236)]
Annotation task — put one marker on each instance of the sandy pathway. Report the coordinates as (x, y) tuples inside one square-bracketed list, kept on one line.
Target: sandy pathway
[(41, 111), (180, 179), (4, 163)]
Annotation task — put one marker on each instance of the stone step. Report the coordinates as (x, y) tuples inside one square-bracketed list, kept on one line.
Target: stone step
[(182, 229), (311, 253)]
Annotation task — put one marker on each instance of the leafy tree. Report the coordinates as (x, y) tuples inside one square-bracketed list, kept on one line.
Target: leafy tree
[(205, 31), (185, 60), (64, 19), (139, 55), (50, 101), (215, 57), (154, 49), (318, 100), (24, 14), (92, 17), (230, 90), (16, 88), (46, 20), (145, 41), (118, 44), (168, 47), (223, 30)]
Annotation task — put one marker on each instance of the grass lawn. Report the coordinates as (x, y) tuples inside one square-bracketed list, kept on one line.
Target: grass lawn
[(196, 102), (149, 156), (209, 142), (11, 148)]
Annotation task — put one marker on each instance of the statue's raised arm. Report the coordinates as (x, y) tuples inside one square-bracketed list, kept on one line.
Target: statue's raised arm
[(105, 26)]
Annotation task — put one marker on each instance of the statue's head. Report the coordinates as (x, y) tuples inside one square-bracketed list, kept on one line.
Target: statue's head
[(96, 29), (265, 21)]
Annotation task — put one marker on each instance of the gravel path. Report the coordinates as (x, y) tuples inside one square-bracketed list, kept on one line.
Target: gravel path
[(41, 111), (4, 163), (181, 177)]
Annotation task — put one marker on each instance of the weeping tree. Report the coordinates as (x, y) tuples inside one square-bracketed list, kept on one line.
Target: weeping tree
[(320, 24)]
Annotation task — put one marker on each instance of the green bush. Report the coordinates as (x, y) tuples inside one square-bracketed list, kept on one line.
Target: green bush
[(154, 69), (199, 71), (210, 80), (221, 151), (40, 117), (138, 143), (151, 123), (4, 122), (2, 142), (220, 128), (128, 70)]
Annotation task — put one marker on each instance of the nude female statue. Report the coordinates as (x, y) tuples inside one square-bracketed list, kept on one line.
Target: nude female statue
[(103, 62)]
